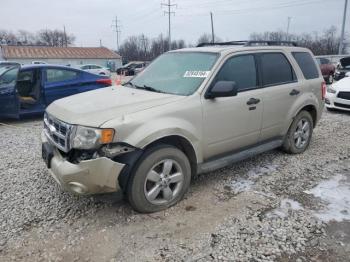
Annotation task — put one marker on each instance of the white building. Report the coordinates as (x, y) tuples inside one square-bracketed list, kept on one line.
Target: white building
[(61, 55)]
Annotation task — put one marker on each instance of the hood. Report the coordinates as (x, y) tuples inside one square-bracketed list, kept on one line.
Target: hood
[(345, 61), (342, 85), (96, 107)]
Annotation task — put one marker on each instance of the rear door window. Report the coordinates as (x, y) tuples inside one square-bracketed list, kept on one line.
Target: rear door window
[(276, 69), (306, 64), (58, 75), (241, 70)]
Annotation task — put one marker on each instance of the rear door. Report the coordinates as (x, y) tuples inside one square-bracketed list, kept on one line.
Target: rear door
[(61, 82), (9, 103), (281, 89)]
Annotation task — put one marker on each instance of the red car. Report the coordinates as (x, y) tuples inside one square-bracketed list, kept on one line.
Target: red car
[(327, 69)]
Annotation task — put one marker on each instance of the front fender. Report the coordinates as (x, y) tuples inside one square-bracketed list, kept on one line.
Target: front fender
[(152, 131)]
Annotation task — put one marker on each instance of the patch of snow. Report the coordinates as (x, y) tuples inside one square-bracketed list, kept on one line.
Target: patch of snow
[(336, 193), (245, 184), (286, 206), (261, 170), (241, 185)]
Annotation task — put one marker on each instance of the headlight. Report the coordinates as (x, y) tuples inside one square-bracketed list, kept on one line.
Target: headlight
[(89, 138), (331, 90)]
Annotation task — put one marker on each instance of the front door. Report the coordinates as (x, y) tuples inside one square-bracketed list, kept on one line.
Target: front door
[(232, 123), (9, 103)]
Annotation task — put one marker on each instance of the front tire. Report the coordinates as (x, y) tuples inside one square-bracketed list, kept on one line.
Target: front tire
[(299, 134), (160, 180)]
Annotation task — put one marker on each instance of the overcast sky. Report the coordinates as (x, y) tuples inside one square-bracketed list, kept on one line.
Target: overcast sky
[(91, 20)]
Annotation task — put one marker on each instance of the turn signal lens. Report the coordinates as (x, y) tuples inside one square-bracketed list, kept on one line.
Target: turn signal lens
[(106, 136)]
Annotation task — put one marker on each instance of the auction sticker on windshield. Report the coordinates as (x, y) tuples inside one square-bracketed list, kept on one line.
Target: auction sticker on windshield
[(202, 74)]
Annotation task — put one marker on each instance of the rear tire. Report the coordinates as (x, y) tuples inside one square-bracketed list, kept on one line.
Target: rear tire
[(299, 134), (160, 180)]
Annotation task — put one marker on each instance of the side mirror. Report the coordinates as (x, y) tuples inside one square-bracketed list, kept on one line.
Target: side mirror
[(222, 89)]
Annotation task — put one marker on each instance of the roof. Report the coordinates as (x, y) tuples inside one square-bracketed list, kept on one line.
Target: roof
[(44, 52), (225, 49)]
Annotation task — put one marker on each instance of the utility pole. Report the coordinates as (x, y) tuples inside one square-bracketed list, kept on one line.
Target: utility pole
[(212, 28), (65, 36), (116, 26), (341, 44), (100, 42), (144, 40), (288, 24), (169, 13)]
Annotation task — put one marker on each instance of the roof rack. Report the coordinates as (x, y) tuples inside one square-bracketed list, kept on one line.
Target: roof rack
[(251, 43)]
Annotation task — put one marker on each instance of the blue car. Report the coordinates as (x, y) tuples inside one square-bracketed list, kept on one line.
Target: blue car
[(27, 90)]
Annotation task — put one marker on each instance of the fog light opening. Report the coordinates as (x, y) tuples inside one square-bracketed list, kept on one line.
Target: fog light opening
[(77, 188)]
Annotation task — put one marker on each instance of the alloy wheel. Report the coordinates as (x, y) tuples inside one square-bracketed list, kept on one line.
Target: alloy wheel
[(163, 182), (302, 133)]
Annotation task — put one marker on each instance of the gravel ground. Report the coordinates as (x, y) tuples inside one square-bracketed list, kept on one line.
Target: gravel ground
[(258, 210)]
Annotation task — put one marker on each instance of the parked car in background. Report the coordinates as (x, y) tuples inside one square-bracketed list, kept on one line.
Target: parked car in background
[(132, 68), (327, 69), (96, 69), (30, 89), (192, 111), (39, 63), (342, 68), (338, 95)]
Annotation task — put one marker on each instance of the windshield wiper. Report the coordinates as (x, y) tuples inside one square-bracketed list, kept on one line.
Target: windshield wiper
[(148, 88), (144, 87)]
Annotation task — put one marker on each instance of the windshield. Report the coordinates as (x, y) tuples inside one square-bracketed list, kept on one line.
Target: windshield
[(8, 76), (179, 73)]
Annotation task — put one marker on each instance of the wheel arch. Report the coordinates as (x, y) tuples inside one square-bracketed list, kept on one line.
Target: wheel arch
[(180, 142), (313, 112)]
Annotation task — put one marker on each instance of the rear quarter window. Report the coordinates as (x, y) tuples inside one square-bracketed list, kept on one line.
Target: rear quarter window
[(276, 69), (306, 64)]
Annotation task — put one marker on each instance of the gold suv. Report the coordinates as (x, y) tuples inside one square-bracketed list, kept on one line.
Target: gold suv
[(191, 111)]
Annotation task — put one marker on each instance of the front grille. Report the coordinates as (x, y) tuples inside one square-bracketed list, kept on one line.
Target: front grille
[(344, 95), (342, 105), (58, 132)]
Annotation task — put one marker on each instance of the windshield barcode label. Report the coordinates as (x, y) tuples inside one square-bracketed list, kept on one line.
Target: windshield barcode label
[(202, 74)]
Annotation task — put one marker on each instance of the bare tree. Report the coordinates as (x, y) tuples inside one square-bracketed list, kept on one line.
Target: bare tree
[(207, 38), (44, 37), (144, 48), (326, 43)]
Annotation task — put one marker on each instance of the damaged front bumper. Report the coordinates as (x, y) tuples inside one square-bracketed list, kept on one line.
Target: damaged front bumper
[(92, 176)]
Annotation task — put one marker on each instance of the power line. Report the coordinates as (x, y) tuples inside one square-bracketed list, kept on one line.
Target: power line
[(262, 8), (116, 26), (169, 13)]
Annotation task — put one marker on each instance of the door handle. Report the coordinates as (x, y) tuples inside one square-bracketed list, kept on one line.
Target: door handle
[(294, 92), (253, 101)]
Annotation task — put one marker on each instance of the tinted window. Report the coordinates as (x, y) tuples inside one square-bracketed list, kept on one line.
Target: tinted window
[(241, 70), (306, 64), (276, 69), (57, 75)]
